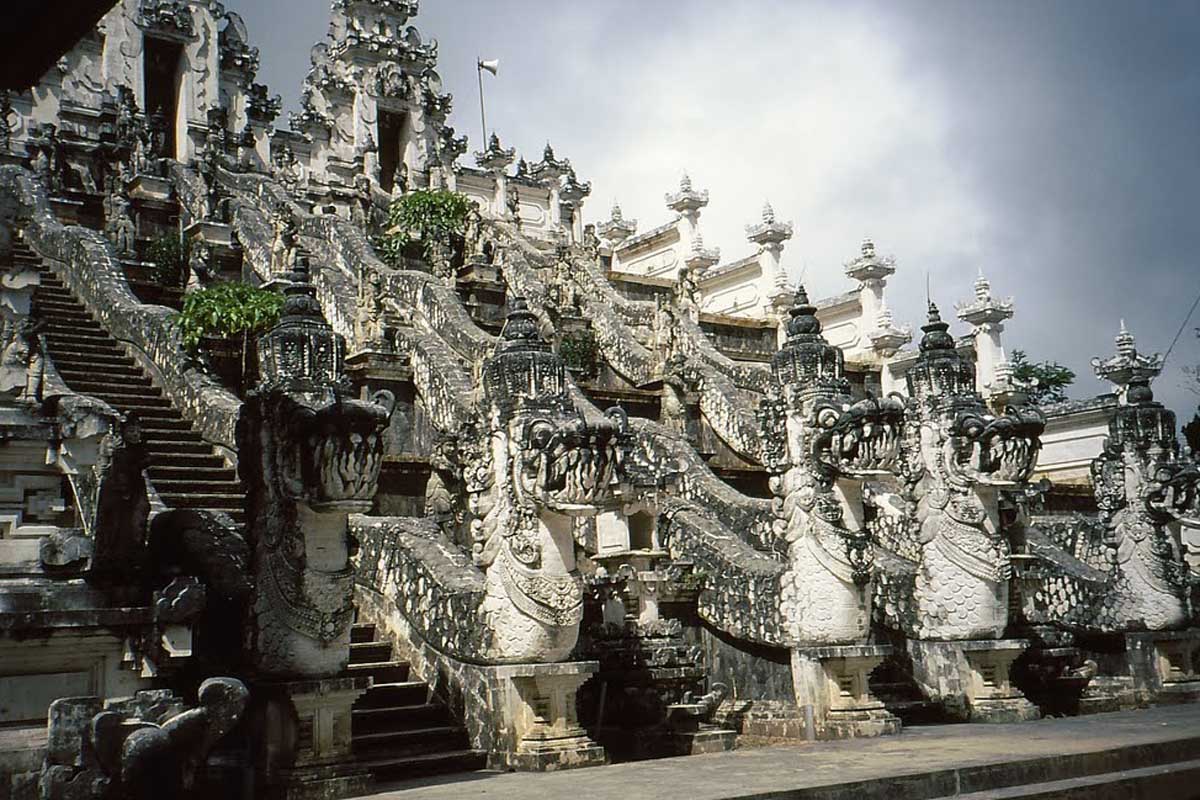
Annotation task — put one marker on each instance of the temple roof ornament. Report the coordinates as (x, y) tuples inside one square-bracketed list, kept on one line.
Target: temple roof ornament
[(770, 233), (495, 158), (701, 257), (550, 168), (886, 337), (1128, 365), (868, 266), (687, 200), (262, 107), (985, 309), (403, 9), (237, 55), (573, 191), (617, 229)]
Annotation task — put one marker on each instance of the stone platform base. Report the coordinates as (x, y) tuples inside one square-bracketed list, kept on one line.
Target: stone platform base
[(537, 703), (971, 678), (319, 783), (705, 741), (833, 680), (1165, 665)]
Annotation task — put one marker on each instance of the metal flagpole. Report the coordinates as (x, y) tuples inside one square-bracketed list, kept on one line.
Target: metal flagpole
[(492, 66), (482, 116)]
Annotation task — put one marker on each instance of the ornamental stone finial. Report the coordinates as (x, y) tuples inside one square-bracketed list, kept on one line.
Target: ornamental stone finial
[(868, 267), (768, 213), (1128, 365), (983, 289), (685, 183), (868, 247)]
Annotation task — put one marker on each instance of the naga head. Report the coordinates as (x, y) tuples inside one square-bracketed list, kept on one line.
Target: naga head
[(971, 445), (811, 408), (1142, 462), (556, 458), (319, 445)]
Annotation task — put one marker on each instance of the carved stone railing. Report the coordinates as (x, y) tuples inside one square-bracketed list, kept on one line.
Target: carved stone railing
[(90, 269), (334, 275), (742, 588), (429, 580), (752, 518), (446, 389)]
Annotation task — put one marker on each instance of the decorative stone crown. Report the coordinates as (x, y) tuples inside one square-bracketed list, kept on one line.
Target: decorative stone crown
[(940, 370), (1128, 366), (1142, 423), (807, 360), (524, 371), (302, 353), (869, 266)]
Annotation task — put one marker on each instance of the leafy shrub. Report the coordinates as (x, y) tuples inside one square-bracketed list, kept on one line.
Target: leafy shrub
[(227, 310), (428, 217), (170, 254), (580, 353)]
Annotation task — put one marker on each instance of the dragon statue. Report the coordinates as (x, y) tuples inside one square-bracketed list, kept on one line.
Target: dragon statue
[(540, 465), (820, 447), (959, 459), (1144, 487), (311, 458)]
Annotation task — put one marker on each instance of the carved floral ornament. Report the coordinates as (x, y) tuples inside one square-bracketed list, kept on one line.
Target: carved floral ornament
[(169, 17)]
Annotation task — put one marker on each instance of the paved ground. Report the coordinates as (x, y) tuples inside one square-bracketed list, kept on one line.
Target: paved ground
[(743, 773)]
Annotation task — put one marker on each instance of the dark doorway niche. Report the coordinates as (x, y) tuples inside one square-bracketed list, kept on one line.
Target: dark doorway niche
[(391, 144), (161, 75)]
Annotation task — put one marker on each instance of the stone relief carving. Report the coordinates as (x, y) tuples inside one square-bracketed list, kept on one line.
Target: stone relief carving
[(959, 459), (820, 448), (319, 453)]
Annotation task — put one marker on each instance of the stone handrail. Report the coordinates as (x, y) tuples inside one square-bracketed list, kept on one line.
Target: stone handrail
[(87, 265), (427, 578), (742, 587)]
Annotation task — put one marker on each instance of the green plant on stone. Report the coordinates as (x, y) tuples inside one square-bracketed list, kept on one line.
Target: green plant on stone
[(580, 353), (226, 311), (169, 253), (430, 217)]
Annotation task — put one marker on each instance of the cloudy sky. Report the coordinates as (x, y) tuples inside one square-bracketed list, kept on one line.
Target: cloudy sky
[(1053, 145)]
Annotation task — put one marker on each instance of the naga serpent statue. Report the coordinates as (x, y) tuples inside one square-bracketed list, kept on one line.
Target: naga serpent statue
[(311, 456), (959, 458), (539, 466), (1144, 487), (820, 447)]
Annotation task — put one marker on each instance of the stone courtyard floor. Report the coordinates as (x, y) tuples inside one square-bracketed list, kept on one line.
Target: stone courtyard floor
[(922, 762)]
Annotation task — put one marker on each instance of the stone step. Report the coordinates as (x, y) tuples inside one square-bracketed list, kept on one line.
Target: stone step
[(369, 652), (416, 741), (165, 451), (160, 424), (197, 485), (392, 718), (209, 499), (71, 372), (389, 768), (1180, 781), (220, 474), (173, 461), (118, 385), (392, 694), (362, 632), (70, 354), (382, 671)]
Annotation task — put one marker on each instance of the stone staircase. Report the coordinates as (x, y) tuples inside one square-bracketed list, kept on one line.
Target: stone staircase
[(900, 695), (184, 469), (400, 730)]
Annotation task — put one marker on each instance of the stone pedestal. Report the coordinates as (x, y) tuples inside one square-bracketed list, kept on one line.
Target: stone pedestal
[(541, 727), (971, 678), (213, 234), (149, 187), (833, 680), (1165, 665), (302, 732)]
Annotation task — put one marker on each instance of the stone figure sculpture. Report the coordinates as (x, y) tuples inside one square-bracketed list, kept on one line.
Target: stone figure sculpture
[(1144, 487), (316, 458), (959, 458), (820, 448), (285, 246), (541, 465), (147, 747)]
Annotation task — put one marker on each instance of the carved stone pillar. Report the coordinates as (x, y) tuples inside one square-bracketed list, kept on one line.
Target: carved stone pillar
[(971, 678), (833, 680)]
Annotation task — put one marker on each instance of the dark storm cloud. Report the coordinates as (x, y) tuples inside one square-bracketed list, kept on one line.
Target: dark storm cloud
[(1052, 145)]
